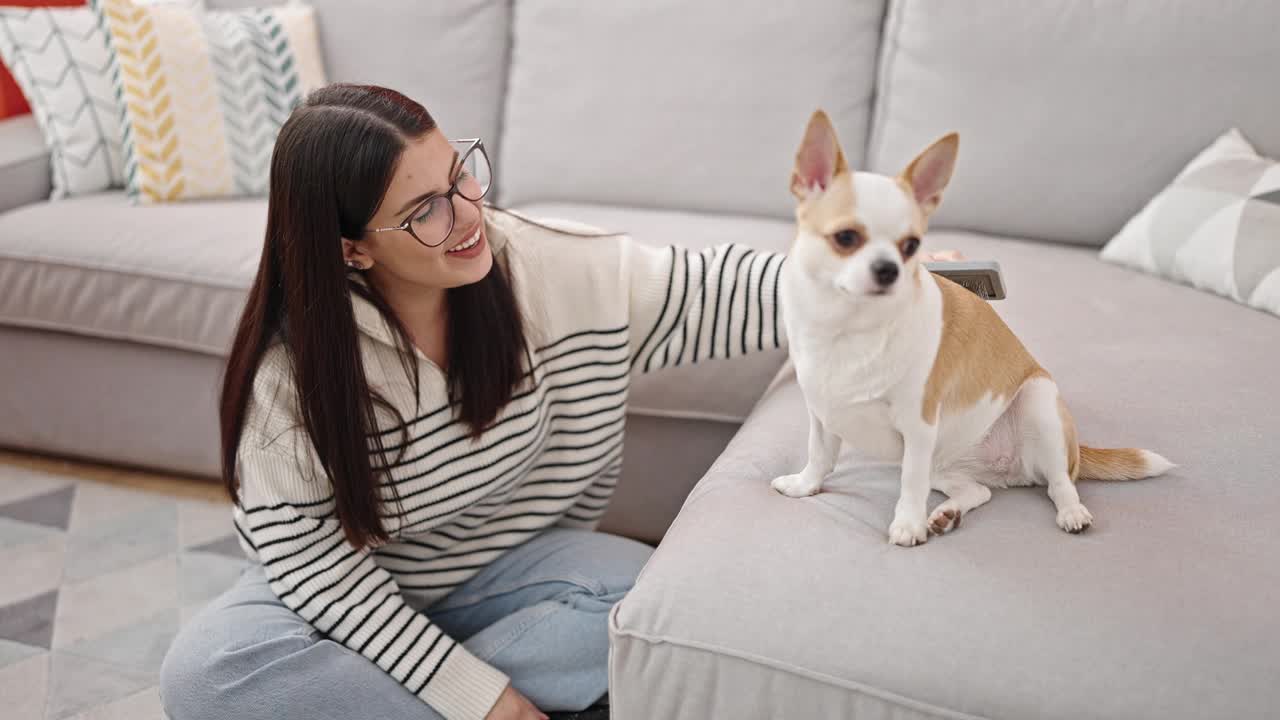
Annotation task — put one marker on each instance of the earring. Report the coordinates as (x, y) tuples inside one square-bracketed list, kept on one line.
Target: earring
[(354, 265)]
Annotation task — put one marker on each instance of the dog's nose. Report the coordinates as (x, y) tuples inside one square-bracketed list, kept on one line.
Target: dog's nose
[(884, 271)]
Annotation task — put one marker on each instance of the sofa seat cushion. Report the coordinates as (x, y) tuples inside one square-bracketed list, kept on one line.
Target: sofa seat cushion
[(171, 275), (756, 605), (716, 390), (176, 276)]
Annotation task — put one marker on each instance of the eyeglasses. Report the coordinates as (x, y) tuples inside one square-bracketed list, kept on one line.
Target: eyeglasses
[(432, 220)]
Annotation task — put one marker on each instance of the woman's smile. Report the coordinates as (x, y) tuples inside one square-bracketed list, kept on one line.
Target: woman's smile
[(471, 247)]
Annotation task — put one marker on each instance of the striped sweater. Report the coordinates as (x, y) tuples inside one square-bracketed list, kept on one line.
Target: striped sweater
[(597, 310)]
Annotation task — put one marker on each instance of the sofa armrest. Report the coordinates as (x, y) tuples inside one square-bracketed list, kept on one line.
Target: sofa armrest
[(25, 176)]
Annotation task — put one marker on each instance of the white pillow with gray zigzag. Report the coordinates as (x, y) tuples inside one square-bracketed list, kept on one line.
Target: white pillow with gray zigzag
[(1216, 227), (62, 62)]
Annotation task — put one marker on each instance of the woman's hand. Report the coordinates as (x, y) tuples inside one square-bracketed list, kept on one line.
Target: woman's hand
[(943, 256), (512, 705)]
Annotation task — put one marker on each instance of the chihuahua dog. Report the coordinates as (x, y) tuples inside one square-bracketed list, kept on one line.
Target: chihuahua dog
[(906, 366)]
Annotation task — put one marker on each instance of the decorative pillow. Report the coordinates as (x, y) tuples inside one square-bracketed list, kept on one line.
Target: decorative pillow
[(205, 94), (60, 59), (1217, 226)]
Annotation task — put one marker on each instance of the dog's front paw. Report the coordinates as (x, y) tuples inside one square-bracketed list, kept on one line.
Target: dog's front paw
[(908, 533), (1075, 519), (796, 486)]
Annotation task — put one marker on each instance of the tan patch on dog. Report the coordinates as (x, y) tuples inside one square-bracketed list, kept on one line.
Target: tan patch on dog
[(827, 212), (1112, 464), (978, 355)]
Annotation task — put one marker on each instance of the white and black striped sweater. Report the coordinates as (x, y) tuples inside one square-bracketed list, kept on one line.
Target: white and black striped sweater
[(598, 309)]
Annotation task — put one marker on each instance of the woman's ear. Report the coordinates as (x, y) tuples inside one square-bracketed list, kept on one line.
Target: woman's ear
[(354, 255)]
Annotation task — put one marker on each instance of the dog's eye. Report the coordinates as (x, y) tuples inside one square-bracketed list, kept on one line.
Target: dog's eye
[(910, 246), (847, 238)]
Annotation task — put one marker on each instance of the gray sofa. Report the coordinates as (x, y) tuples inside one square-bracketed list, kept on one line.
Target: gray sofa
[(678, 122)]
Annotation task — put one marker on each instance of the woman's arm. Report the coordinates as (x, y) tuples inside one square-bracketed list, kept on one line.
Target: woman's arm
[(348, 597), (688, 306)]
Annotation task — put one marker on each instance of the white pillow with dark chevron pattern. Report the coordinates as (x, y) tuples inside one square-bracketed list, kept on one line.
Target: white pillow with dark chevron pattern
[(61, 60), (205, 93), (1216, 227)]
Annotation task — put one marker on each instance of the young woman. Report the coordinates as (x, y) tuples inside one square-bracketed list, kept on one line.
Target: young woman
[(422, 422)]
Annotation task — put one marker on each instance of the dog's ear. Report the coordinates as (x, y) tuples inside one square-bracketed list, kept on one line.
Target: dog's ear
[(819, 159), (930, 172)]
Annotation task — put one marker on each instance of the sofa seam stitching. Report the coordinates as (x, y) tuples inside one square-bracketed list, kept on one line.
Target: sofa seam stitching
[(721, 418), (889, 55), (814, 675), (118, 270), (136, 339)]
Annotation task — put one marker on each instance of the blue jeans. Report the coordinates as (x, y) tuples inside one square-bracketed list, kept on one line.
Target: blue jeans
[(539, 613)]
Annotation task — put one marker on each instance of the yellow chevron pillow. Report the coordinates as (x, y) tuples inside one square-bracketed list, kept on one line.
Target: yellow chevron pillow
[(204, 93)]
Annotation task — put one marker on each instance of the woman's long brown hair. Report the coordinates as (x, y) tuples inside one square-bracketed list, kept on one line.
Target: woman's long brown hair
[(332, 163)]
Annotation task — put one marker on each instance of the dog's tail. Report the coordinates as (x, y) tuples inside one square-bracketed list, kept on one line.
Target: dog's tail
[(1120, 464)]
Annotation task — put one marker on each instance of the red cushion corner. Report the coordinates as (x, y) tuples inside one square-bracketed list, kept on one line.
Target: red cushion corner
[(12, 102)]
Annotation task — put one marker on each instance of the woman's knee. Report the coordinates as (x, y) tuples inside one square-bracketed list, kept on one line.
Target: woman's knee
[(214, 668), (616, 563), (184, 688), (631, 556)]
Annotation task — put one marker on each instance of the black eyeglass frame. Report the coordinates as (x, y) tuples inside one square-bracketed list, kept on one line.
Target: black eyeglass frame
[(470, 145)]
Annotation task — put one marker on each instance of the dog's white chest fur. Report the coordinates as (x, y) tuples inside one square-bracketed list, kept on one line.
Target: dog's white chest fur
[(849, 394), (854, 380)]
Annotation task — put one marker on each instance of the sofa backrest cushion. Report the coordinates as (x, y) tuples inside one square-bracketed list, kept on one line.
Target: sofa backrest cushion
[(696, 106), (449, 56), (1072, 115)]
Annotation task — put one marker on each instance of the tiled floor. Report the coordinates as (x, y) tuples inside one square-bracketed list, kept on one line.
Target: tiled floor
[(100, 566)]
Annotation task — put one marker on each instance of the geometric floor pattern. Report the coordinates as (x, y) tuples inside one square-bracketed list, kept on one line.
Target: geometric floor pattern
[(95, 581)]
